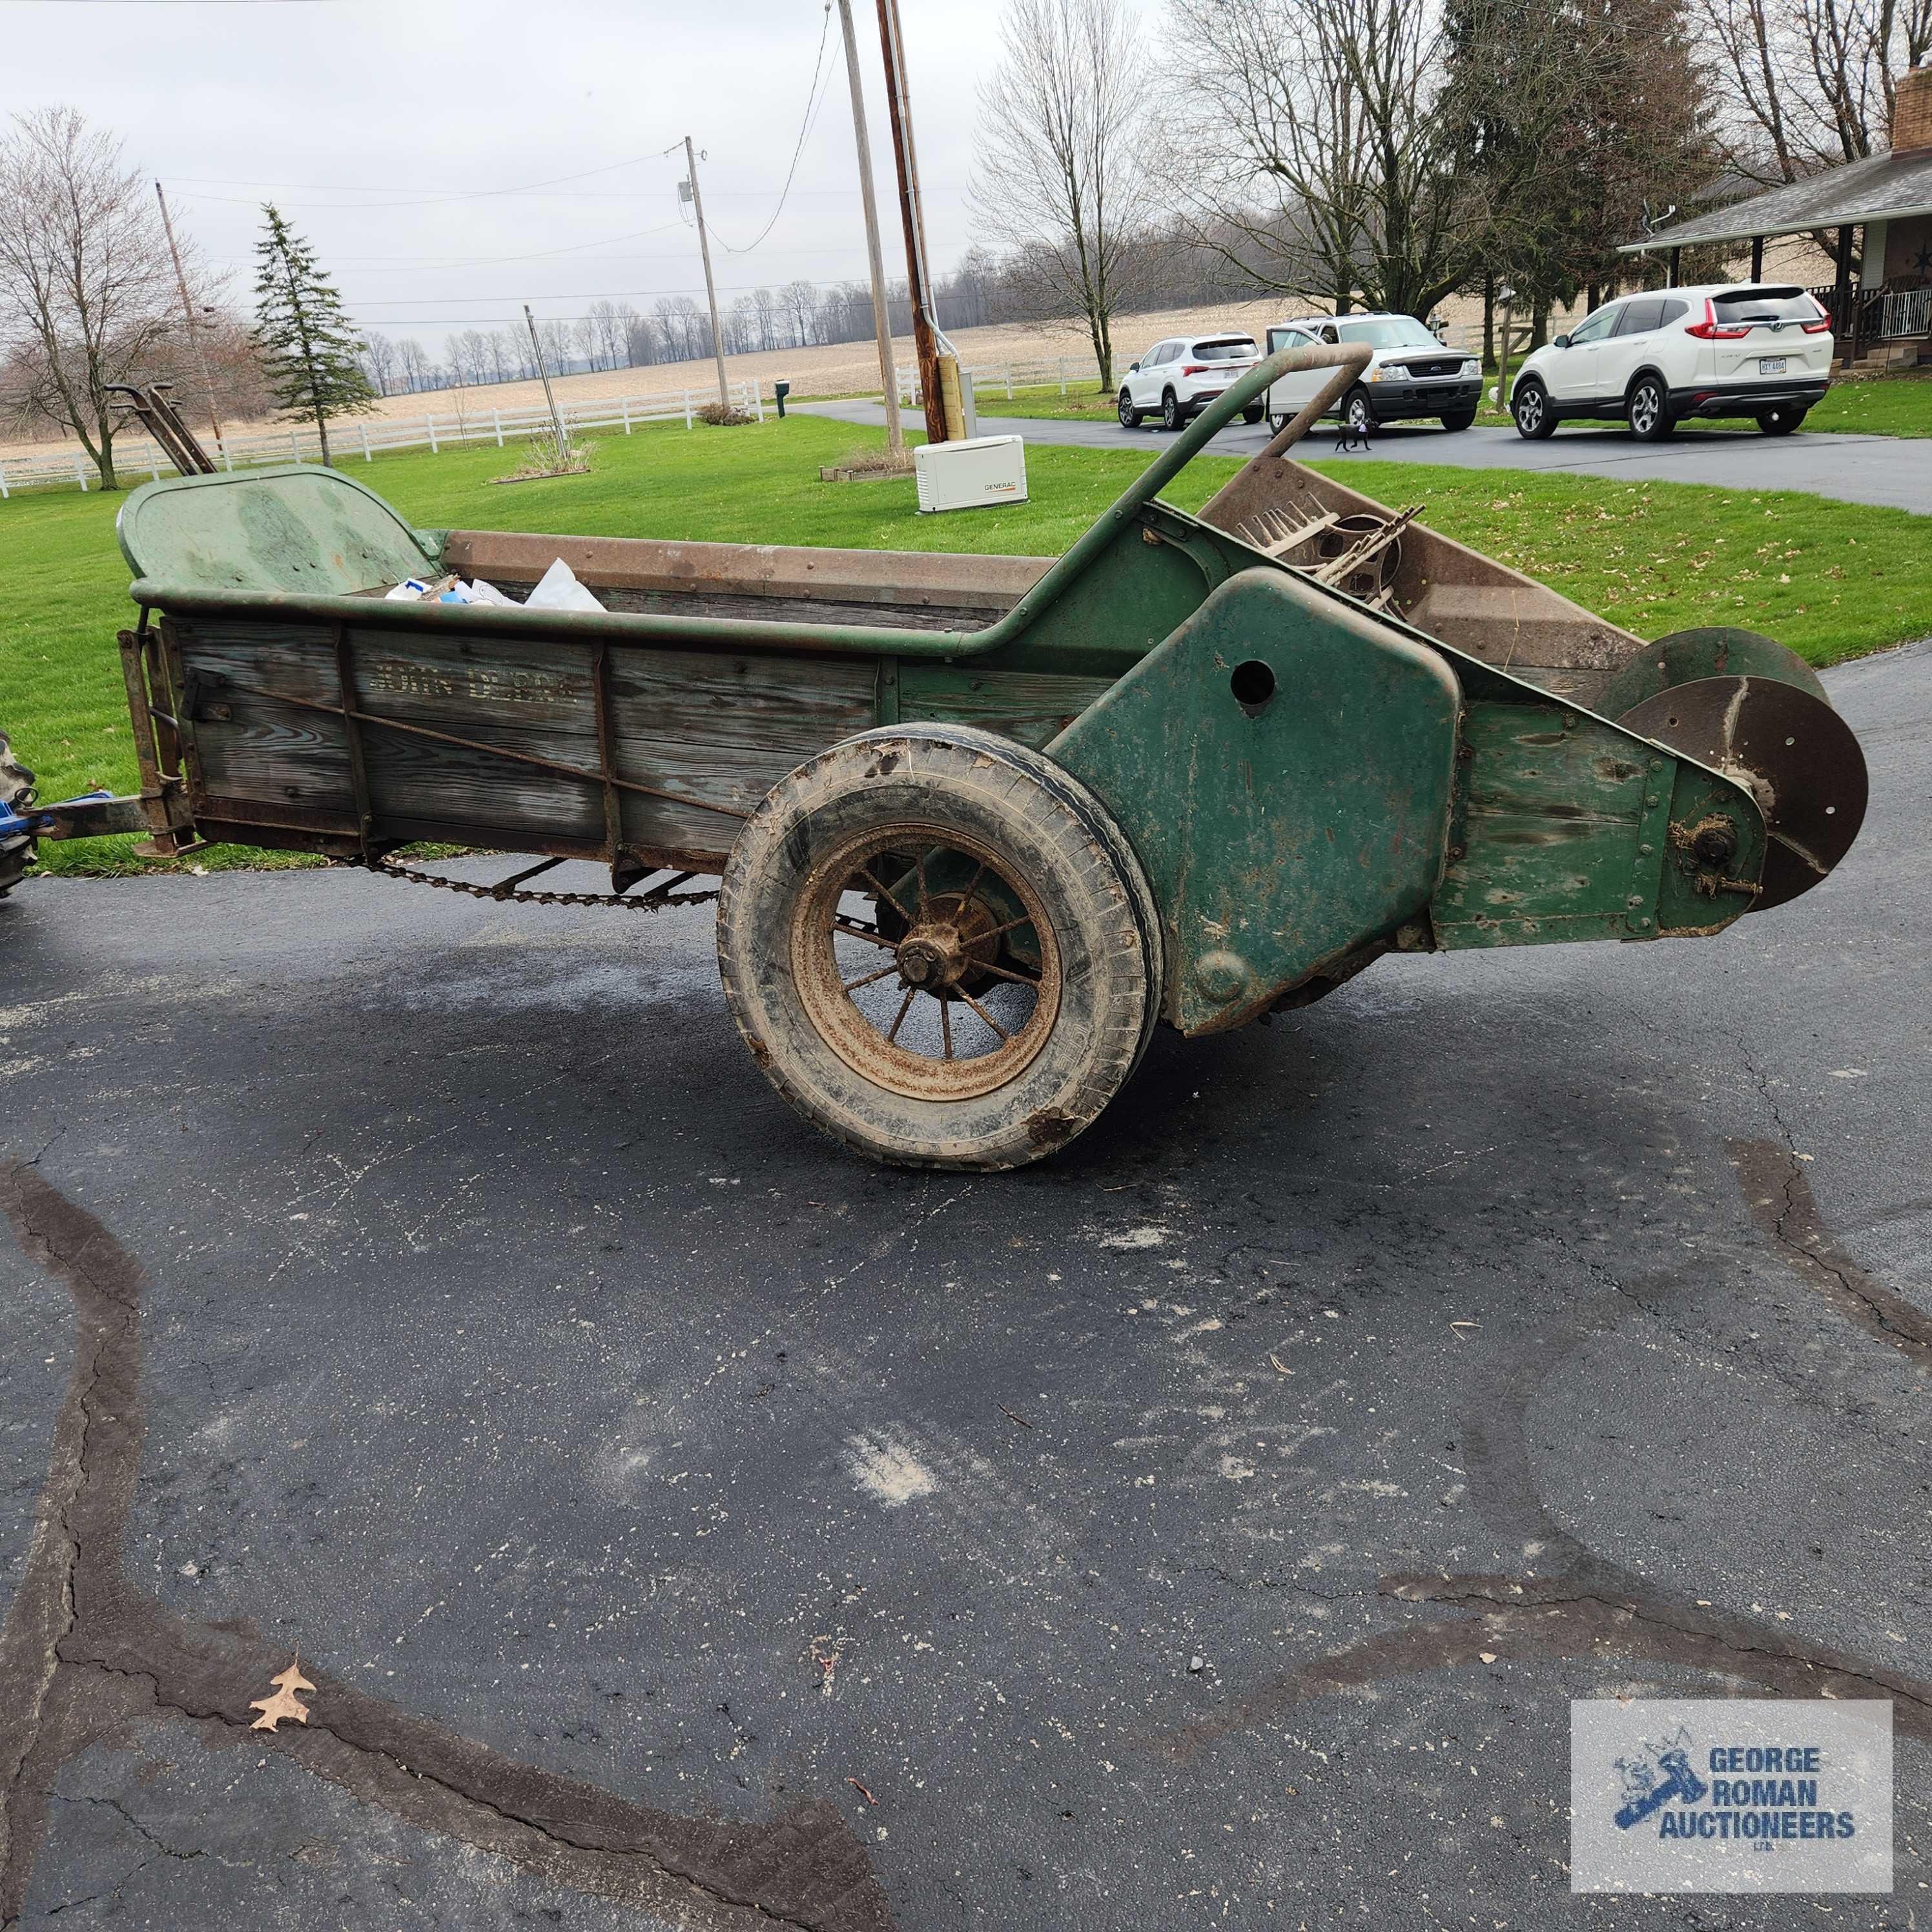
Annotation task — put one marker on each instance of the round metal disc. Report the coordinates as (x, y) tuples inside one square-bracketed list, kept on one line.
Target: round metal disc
[(1799, 757)]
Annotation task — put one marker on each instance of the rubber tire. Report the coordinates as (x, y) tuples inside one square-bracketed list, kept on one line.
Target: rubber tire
[(1539, 421), (1277, 423), (1075, 857), (1781, 422), (1356, 414), (16, 791), (1251, 416), (1461, 420), (1130, 416), (1172, 415), (1661, 424)]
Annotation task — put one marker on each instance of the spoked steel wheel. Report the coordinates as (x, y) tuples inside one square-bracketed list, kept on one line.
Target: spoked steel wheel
[(934, 992), (939, 948)]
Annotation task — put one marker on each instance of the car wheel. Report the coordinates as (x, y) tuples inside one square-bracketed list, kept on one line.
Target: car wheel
[(1459, 419), (1130, 417), (1356, 413), (1649, 410), (1251, 416), (1277, 423), (1172, 415), (1530, 405), (1781, 421)]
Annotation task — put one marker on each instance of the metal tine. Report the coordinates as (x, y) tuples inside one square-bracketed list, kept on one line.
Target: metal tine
[(1338, 568), (1274, 533)]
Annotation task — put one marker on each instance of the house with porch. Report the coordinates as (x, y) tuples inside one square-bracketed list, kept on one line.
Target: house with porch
[(1880, 209)]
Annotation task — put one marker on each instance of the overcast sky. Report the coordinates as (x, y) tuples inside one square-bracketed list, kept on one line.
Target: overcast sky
[(419, 143)]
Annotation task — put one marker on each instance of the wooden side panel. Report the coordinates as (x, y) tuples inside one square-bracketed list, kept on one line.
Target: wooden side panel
[(726, 603), (1032, 706), (720, 730)]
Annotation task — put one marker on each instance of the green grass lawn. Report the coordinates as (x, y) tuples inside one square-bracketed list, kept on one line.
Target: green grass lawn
[(1860, 406), (1831, 580), (1876, 405)]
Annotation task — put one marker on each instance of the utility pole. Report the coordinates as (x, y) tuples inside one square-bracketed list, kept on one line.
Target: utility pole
[(710, 290), (882, 326), (187, 310), (899, 108), (550, 394)]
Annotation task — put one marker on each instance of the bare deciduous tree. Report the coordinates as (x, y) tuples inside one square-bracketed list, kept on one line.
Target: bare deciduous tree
[(1320, 161), (1807, 84), (1063, 182), (87, 291), (414, 360), (379, 357)]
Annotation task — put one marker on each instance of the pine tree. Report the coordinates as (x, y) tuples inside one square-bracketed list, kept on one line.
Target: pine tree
[(310, 353)]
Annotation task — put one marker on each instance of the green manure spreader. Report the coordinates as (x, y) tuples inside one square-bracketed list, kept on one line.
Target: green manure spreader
[(980, 824)]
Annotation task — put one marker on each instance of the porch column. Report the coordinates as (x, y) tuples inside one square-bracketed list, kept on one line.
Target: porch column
[(1757, 258), (1845, 317), (1670, 271)]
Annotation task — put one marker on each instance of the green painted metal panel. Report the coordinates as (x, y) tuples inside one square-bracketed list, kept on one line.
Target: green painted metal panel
[(1283, 764), (1716, 651), (304, 528), (1567, 827)]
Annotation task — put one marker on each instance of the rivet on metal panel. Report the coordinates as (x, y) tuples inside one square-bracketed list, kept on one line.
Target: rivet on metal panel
[(1650, 799), (1633, 900)]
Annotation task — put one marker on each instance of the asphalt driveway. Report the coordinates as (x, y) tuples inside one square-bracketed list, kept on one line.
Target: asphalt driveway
[(683, 1523), (1895, 471)]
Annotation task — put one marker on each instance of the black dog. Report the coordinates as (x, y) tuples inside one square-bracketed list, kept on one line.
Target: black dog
[(1348, 437)]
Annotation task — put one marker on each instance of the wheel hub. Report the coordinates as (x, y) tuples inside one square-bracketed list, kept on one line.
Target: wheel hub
[(939, 953)]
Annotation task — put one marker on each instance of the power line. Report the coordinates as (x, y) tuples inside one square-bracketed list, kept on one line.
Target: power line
[(436, 194), (814, 100), (596, 295), (507, 193)]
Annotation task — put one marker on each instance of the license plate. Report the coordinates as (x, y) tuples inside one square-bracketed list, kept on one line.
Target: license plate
[(1771, 365)]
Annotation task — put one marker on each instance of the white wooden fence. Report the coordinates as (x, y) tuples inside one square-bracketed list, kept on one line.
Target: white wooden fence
[(368, 436)]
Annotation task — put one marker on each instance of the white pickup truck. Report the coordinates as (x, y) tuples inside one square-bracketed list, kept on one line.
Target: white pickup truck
[(1411, 375)]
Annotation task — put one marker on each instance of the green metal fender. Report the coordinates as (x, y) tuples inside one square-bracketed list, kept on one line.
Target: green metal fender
[(1718, 651), (301, 529), (1285, 765)]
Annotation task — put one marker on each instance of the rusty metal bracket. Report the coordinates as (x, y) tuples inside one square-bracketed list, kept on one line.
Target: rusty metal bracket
[(1653, 843), (165, 815), (607, 752), (352, 733)]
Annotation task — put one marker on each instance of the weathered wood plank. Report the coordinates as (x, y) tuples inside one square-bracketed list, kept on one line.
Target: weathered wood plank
[(934, 581), (1032, 706)]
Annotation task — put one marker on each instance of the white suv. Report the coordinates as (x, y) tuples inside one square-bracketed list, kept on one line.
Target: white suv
[(1650, 360), (1178, 378), (1410, 376)]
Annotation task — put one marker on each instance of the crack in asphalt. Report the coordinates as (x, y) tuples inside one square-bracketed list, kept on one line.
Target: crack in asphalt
[(75, 1625), (1781, 1203), (1589, 1606)]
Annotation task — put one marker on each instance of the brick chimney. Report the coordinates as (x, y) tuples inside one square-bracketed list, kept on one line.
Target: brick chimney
[(1912, 113)]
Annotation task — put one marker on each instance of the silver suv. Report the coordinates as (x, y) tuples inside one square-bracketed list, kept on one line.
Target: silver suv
[(1177, 379), (1410, 377)]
